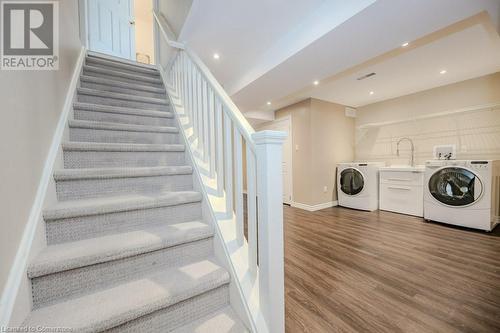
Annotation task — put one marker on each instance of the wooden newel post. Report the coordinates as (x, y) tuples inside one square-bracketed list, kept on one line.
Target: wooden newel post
[(269, 146)]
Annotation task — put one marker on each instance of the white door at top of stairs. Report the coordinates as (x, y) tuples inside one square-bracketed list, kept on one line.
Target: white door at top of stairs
[(284, 125), (112, 27)]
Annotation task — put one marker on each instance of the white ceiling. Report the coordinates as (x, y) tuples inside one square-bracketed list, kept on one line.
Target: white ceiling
[(254, 36), (464, 55), (273, 50)]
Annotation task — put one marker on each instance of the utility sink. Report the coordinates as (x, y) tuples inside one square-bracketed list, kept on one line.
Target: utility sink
[(416, 168), (402, 189)]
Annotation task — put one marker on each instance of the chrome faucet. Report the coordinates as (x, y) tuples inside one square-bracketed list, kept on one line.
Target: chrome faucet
[(412, 159)]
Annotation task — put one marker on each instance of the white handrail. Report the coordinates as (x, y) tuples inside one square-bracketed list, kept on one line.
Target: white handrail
[(167, 32), (235, 114), (218, 136)]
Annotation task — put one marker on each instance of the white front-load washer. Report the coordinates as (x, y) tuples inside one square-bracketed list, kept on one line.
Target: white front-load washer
[(464, 193), (357, 185)]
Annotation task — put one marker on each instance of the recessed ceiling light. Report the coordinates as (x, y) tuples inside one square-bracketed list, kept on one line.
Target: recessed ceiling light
[(405, 44), (443, 71), (372, 92), (316, 82), (216, 56), (268, 103)]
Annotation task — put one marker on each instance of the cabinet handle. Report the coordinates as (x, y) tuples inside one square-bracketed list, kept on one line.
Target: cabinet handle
[(399, 188), (399, 179)]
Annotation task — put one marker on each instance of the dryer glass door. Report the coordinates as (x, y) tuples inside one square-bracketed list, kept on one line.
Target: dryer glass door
[(455, 186), (351, 181)]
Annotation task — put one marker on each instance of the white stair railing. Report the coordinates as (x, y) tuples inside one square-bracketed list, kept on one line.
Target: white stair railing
[(230, 157)]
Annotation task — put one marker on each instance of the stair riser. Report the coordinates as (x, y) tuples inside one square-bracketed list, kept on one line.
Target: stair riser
[(121, 102), (109, 136), (105, 159), (179, 314), (123, 118), (136, 92), (85, 227), (149, 83), (95, 188), (110, 65), (72, 283)]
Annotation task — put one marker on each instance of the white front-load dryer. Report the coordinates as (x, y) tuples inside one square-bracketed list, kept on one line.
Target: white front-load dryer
[(357, 185), (464, 193)]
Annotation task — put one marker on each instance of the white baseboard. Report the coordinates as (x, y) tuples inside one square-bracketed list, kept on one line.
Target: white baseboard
[(20, 263), (313, 208)]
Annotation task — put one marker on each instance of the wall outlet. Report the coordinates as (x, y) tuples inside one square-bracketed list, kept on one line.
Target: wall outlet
[(325, 189), (445, 152), (296, 147)]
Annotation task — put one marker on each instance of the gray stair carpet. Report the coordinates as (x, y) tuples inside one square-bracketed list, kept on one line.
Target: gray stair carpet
[(127, 249)]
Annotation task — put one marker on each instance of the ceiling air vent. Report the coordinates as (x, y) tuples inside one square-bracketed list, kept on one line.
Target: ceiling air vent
[(366, 76)]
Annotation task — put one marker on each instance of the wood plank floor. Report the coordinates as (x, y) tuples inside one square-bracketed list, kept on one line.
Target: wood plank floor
[(353, 271)]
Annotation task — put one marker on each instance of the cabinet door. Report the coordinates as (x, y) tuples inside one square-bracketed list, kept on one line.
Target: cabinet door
[(405, 199)]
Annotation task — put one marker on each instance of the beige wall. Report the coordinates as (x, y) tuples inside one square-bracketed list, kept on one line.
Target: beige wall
[(476, 134), (31, 103), (144, 41), (324, 137), (301, 138), (332, 142)]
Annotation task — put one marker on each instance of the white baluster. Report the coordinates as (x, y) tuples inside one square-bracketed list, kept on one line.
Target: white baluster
[(228, 163), (190, 93), (238, 185), (199, 109), (211, 131), (268, 146), (176, 73), (179, 73), (206, 136), (251, 210), (195, 101), (220, 146), (184, 73)]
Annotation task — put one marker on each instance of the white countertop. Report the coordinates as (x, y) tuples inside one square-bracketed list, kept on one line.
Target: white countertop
[(417, 168)]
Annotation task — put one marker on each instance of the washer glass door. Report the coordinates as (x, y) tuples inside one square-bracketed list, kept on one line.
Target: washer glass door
[(455, 186), (351, 181)]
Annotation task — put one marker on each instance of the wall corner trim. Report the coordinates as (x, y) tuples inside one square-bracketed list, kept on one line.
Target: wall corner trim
[(11, 288), (313, 208)]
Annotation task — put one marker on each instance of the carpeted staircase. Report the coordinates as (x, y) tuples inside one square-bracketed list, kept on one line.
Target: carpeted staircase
[(128, 249)]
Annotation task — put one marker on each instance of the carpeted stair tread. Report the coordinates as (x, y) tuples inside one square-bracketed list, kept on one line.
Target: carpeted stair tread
[(121, 84), (110, 64), (222, 321), (107, 173), (121, 203), (128, 248), (112, 307), (99, 125), (71, 255), (120, 96), (122, 147), (92, 55), (122, 110), (87, 70)]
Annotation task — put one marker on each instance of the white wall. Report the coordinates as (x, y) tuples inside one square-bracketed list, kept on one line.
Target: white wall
[(175, 13), (476, 134), (31, 104)]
